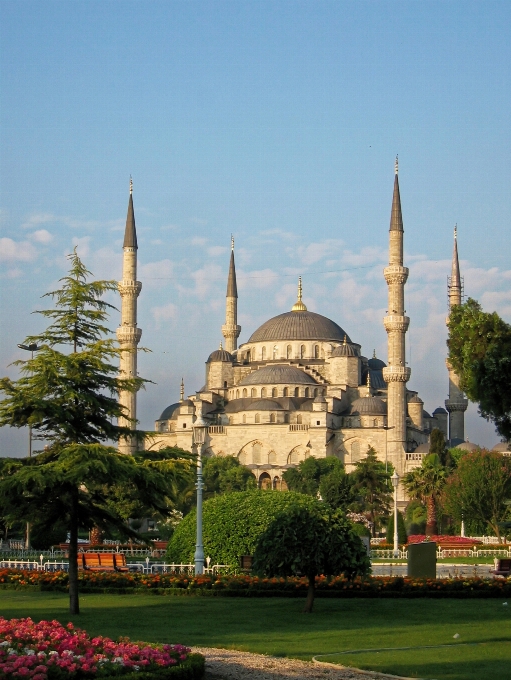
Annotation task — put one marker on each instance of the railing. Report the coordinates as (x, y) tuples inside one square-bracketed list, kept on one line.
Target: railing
[(415, 456), (144, 567), (216, 429), (298, 428), (442, 553)]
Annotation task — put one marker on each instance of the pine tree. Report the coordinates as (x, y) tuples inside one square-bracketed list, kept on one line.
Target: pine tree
[(68, 394), (372, 485)]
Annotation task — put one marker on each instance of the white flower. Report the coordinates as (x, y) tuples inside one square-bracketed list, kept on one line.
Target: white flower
[(118, 659), (53, 653), (4, 643), (29, 652)]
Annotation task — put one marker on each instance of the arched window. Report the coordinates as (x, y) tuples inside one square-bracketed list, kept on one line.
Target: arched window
[(253, 392), (272, 458), (299, 419), (302, 351), (297, 392), (242, 457), (274, 392), (244, 418), (248, 355), (316, 351), (256, 453), (265, 481), (355, 452), (263, 392), (289, 352), (225, 384), (307, 392), (286, 417), (237, 394), (263, 353), (276, 483), (315, 391), (272, 418), (257, 418), (286, 392), (275, 352), (245, 392), (375, 422)]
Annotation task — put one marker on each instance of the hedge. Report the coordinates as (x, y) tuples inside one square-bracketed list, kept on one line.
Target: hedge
[(232, 524)]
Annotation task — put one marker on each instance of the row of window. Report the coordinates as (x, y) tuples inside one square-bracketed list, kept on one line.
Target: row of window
[(275, 353), (274, 392), (273, 418)]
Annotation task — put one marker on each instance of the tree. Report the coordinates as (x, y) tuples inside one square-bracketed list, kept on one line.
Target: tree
[(480, 353), (372, 485), (437, 447), (480, 489), (306, 476), (425, 484), (402, 536), (232, 524), (224, 474), (336, 489), (311, 541), (69, 396)]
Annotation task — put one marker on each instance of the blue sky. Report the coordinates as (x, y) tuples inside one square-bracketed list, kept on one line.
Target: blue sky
[(277, 122)]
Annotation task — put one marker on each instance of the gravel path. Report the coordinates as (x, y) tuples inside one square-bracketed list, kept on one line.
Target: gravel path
[(228, 664)]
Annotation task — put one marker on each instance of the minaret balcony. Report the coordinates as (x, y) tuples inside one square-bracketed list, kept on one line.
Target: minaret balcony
[(129, 335), (396, 373), (127, 287), (395, 273), (395, 322), (459, 405)]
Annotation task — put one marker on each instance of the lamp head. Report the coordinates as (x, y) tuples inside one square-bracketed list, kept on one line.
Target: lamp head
[(199, 430), (395, 479)]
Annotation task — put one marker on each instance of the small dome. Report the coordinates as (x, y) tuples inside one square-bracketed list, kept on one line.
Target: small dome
[(502, 447), (277, 375), (344, 350), (422, 448), (468, 446), (220, 355), (265, 405), (439, 410), (376, 364), (171, 412), (415, 400), (369, 406)]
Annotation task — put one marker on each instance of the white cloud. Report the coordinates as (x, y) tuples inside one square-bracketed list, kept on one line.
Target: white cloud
[(156, 274), (11, 251), (259, 279), (314, 252), (82, 245), (199, 241), (42, 236), (166, 312), (36, 219), (215, 251)]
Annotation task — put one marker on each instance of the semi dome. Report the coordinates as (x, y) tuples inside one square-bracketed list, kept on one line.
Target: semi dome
[(171, 412), (278, 375), (502, 447), (468, 446), (344, 350), (369, 406), (265, 405), (415, 400), (298, 326), (220, 355)]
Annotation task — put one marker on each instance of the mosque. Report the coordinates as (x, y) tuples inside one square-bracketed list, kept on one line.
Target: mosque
[(300, 385)]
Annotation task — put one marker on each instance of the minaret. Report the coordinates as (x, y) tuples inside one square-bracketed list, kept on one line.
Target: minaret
[(396, 374), (128, 334), (456, 404), (231, 330)]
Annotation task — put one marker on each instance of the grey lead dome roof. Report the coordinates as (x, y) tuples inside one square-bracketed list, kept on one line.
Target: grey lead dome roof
[(299, 326), (277, 375), (220, 355), (369, 406), (265, 405), (170, 413)]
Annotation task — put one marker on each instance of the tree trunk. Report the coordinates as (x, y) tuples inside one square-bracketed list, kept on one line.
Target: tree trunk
[(74, 605), (310, 594), (431, 524)]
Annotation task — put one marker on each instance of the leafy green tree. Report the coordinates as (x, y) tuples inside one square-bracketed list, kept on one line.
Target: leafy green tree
[(224, 474), (426, 484), (68, 393), (373, 488), (480, 489), (437, 447), (480, 352), (232, 524), (416, 517), (336, 489), (311, 541), (402, 536), (306, 476)]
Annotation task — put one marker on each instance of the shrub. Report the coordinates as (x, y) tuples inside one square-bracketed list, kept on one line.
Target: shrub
[(232, 524), (401, 529), (360, 529)]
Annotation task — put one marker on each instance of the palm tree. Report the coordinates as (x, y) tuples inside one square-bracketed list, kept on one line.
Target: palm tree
[(426, 483)]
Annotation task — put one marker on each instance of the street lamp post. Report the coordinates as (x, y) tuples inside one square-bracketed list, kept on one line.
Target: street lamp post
[(29, 348), (395, 482), (199, 435)]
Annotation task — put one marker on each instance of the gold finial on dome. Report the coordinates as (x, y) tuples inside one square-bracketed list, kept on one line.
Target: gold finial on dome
[(299, 305), (374, 354), (182, 390), (221, 346), (345, 340), (369, 379)]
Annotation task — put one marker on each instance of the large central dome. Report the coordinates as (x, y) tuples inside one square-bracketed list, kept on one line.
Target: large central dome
[(299, 326)]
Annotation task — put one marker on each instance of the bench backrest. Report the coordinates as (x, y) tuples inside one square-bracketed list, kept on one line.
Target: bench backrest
[(107, 560), (79, 560), (91, 559), (120, 560), (503, 565)]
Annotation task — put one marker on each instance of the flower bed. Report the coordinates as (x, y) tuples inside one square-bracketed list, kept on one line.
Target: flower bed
[(441, 540), (47, 650), (252, 586)]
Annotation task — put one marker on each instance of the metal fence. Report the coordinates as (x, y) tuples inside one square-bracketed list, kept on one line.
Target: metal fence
[(442, 553), (142, 567)]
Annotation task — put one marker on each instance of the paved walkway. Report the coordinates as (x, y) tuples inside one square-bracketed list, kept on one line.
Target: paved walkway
[(442, 570)]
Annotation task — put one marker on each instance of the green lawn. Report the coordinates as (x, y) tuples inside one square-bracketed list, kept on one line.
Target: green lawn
[(277, 626)]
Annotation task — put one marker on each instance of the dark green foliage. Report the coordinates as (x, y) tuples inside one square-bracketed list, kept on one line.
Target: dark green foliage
[(480, 488), (224, 474), (193, 668), (43, 537), (426, 484), (401, 529), (360, 529), (416, 516), (336, 489), (310, 541), (232, 524), (438, 448), (307, 475), (371, 484), (480, 353)]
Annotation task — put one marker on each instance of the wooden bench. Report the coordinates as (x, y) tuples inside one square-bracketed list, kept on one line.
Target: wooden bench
[(102, 561), (120, 562), (91, 561), (502, 568)]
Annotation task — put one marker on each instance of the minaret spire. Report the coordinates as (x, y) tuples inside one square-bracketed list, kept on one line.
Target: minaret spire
[(456, 404), (182, 390), (396, 374), (128, 334), (231, 330), (299, 305)]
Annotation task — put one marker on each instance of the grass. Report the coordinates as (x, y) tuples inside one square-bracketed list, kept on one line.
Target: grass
[(277, 626)]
